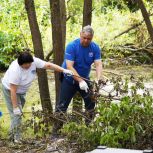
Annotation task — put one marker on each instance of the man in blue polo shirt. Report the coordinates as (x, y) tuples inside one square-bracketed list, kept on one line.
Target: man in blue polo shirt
[(80, 54)]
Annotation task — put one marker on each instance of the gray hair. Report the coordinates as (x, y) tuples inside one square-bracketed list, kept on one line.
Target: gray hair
[(88, 29)]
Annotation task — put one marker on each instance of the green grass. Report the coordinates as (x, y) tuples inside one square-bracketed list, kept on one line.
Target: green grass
[(4, 125)]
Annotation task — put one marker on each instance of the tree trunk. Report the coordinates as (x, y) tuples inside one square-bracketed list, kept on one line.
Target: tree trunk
[(63, 21), (58, 21), (87, 12), (146, 18), (38, 51)]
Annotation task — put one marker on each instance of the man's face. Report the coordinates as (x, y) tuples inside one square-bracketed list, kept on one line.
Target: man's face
[(85, 38), (26, 66)]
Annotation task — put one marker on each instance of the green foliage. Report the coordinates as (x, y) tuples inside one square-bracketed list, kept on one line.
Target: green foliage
[(11, 38), (14, 24), (113, 4), (126, 124), (74, 15), (121, 5), (10, 46)]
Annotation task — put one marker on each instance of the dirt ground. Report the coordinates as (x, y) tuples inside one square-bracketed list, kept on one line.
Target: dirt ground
[(38, 146)]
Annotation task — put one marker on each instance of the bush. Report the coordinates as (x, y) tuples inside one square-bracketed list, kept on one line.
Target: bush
[(125, 124), (10, 46)]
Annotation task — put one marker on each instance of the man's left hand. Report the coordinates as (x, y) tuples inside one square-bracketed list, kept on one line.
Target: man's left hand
[(83, 86)]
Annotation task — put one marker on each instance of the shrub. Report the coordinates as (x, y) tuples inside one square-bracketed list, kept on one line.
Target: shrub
[(126, 124)]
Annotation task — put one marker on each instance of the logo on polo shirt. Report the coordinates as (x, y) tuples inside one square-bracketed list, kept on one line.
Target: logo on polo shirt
[(90, 54), (33, 71)]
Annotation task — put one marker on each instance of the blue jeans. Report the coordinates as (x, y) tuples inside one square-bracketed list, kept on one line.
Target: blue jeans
[(67, 92), (15, 127)]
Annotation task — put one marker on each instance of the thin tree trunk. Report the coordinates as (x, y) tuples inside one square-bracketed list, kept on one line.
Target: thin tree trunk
[(58, 21), (63, 20), (38, 50), (146, 18), (87, 12)]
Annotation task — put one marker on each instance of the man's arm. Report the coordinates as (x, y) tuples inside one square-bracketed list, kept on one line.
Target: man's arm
[(98, 65), (13, 89), (69, 65), (82, 84)]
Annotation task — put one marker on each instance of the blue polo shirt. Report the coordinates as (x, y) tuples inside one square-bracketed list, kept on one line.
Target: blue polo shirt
[(83, 57)]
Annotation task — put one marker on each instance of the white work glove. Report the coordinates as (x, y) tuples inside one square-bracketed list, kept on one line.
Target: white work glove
[(68, 72), (17, 111), (83, 86)]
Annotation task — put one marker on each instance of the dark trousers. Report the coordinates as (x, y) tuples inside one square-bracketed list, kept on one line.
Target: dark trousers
[(67, 92)]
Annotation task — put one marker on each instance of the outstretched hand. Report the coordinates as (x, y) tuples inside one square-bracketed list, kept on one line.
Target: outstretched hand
[(68, 72)]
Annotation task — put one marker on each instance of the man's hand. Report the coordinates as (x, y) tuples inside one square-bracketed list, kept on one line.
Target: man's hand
[(68, 72), (17, 111), (83, 86)]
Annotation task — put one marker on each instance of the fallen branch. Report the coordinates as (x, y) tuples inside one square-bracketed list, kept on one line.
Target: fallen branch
[(132, 48), (49, 55), (106, 71), (131, 28)]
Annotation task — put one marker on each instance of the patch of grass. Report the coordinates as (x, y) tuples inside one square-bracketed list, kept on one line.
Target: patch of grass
[(4, 125)]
